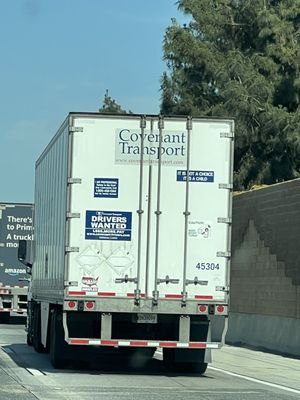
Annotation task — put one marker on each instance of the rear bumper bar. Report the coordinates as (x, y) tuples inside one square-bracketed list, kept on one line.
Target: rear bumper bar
[(143, 343)]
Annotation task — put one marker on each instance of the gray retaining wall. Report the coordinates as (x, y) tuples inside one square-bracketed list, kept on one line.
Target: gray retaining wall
[(265, 269)]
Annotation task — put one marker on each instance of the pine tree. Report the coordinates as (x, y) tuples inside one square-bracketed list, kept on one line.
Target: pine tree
[(240, 58), (110, 106)]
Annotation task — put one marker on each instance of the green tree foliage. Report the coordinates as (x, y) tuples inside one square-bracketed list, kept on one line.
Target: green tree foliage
[(110, 106), (240, 58)]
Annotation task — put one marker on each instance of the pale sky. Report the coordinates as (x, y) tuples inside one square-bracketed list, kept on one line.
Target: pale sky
[(59, 56)]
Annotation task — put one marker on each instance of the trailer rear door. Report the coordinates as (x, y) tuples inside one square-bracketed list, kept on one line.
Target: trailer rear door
[(136, 224)]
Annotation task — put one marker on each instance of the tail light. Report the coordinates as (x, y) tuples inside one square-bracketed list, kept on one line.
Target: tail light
[(221, 309), (202, 309), (89, 305), (72, 305)]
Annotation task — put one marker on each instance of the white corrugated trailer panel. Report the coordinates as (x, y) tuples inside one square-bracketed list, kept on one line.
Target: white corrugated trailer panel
[(50, 217), (105, 227)]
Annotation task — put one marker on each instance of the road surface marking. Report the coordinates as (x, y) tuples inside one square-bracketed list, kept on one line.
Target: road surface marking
[(248, 378), (7, 350), (35, 372)]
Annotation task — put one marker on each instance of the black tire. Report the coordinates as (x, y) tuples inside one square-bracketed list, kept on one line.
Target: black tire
[(170, 364), (36, 337), (200, 367), (29, 336), (29, 340), (58, 347), (168, 359), (4, 317)]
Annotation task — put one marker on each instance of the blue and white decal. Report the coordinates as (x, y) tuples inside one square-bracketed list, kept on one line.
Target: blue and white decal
[(196, 176), (108, 225), (106, 187)]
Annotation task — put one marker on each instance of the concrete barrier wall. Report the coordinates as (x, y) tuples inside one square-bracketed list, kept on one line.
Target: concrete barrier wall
[(265, 269)]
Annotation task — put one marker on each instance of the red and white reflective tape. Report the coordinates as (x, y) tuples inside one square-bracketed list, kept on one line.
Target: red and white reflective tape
[(91, 294), (198, 296), (4, 291), (143, 343), (132, 295)]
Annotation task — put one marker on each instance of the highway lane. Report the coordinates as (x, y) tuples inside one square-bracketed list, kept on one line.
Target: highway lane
[(236, 374)]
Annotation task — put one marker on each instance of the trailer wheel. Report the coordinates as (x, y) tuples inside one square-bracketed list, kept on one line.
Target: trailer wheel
[(29, 335), (36, 336), (4, 317), (171, 364), (58, 346), (29, 339)]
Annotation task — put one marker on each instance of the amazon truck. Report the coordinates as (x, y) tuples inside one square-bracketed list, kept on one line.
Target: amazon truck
[(132, 237), (15, 225)]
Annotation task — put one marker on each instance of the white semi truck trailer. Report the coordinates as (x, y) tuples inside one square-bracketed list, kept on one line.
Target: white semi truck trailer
[(132, 236)]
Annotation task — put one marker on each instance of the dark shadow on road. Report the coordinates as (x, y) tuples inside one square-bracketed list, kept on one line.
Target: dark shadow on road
[(94, 361)]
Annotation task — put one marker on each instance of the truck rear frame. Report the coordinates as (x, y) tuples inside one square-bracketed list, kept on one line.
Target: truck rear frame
[(81, 313)]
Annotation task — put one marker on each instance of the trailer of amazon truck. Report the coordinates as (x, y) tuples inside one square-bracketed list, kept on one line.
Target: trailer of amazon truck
[(15, 225), (132, 236)]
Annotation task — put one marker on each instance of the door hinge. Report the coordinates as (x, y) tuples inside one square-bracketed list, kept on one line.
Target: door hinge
[(229, 135), (70, 283), (72, 249), (74, 180), (222, 289), (73, 215), (226, 254), (228, 186), (224, 220), (75, 129)]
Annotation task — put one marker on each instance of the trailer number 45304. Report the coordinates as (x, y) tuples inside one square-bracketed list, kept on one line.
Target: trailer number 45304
[(207, 266)]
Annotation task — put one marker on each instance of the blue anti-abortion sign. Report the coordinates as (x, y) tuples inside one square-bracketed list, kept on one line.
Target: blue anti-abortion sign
[(108, 225)]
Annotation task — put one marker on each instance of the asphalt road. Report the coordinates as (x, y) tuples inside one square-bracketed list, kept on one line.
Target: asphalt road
[(236, 374)]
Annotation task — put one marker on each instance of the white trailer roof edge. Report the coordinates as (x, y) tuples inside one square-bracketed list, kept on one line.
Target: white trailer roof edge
[(13, 204), (138, 116), (55, 137), (73, 115)]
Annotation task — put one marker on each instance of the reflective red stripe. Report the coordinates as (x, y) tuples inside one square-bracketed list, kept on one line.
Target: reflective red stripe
[(173, 296), (79, 341), (132, 295), (109, 342), (204, 297), (77, 293), (107, 294), (167, 344), (138, 343), (194, 345)]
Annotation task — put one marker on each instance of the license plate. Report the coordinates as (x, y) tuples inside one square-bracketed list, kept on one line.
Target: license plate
[(147, 318)]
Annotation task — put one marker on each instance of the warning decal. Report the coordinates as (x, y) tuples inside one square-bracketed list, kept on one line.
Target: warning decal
[(108, 225), (196, 176), (104, 187)]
